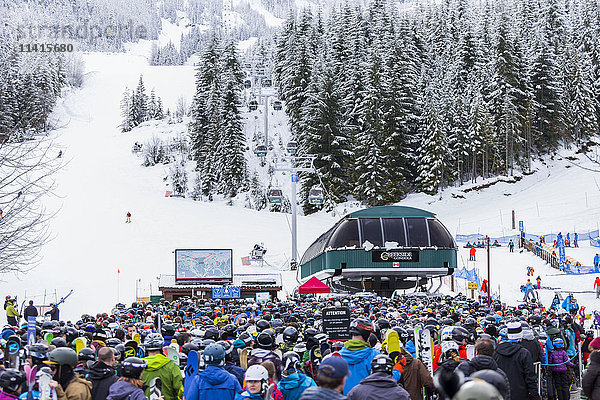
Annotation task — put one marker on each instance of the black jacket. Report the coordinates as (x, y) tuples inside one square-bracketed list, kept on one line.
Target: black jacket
[(30, 311), (378, 386), (53, 313), (534, 348), (591, 378), (102, 377), (516, 362), (479, 363)]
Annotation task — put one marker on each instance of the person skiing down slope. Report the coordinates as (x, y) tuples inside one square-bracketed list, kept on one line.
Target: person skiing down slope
[(128, 220)]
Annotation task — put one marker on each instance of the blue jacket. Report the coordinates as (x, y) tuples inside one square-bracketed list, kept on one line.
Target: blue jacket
[(236, 371), (568, 305), (596, 260), (359, 363), (214, 383), (247, 395), (292, 386)]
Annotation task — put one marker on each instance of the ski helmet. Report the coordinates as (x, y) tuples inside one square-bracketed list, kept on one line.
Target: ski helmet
[(211, 333), (493, 377), (154, 341), (290, 334), (361, 327), (291, 361), (58, 342), (186, 348), (37, 352), (132, 367), (262, 324), (12, 379), (62, 356), (558, 343), (214, 354), (256, 373), (479, 390), (87, 354), (265, 340), (382, 363)]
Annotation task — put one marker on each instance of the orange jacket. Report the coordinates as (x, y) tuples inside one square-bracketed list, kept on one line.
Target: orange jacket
[(473, 250)]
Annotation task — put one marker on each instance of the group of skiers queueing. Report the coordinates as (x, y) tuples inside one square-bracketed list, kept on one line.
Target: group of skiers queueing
[(236, 349)]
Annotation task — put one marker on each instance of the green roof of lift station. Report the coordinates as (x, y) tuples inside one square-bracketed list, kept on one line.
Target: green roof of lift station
[(390, 212)]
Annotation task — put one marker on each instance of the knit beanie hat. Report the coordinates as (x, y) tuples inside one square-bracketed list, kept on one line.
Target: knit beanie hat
[(515, 331)]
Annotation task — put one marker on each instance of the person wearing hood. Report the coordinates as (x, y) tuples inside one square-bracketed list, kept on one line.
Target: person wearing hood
[(265, 341), (68, 386), (129, 386), (380, 384), (357, 353), (516, 363), (415, 376), (590, 381), (161, 367), (102, 374), (531, 344), (294, 382), (213, 383), (331, 378), (483, 360)]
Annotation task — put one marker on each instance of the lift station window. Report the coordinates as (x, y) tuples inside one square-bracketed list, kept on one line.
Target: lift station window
[(371, 231), (439, 235), (346, 234), (393, 231), (417, 232)]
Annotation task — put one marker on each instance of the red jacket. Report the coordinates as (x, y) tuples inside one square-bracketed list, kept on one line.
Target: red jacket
[(597, 282)]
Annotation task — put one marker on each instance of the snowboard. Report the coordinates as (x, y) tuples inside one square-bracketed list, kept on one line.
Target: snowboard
[(13, 346), (155, 389), (269, 392), (172, 354), (131, 348), (44, 376), (80, 344), (191, 369), (48, 337), (136, 337), (425, 346), (470, 351), (392, 342), (416, 340), (141, 353)]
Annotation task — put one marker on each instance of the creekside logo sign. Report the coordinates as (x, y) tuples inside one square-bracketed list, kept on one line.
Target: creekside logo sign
[(395, 256)]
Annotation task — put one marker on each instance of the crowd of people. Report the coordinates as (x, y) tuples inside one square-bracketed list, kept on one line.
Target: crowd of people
[(281, 350)]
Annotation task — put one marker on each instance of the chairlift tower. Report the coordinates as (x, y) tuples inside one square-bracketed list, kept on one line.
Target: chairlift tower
[(293, 165)]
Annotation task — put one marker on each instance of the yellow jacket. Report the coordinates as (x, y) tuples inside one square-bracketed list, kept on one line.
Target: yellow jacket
[(11, 312)]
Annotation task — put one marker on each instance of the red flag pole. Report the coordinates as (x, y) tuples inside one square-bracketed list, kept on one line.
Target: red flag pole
[(118, 276)]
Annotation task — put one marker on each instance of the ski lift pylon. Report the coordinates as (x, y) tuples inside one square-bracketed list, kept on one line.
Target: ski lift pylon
[(275, 196)]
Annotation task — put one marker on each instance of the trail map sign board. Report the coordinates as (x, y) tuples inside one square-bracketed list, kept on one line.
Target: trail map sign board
[(203, 265), (336, 322)]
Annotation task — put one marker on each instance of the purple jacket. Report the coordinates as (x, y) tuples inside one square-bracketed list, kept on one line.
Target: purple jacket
[(559, 356), (6, 396)]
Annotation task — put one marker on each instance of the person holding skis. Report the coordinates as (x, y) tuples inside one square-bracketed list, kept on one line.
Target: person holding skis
[(53, 312), (12, 316), (358, 353)]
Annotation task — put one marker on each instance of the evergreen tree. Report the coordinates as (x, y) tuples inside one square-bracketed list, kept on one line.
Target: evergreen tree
[(127, 123)]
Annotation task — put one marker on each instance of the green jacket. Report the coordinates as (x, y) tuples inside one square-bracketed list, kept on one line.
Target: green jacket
[(11, 312), (169, 373)]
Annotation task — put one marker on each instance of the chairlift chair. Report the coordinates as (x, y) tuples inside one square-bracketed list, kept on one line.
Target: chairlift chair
[(260, 150), (315, 196), (267, 83), (277, 105), (247, 84), (253, 105), (292, 147), (275, 196)]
